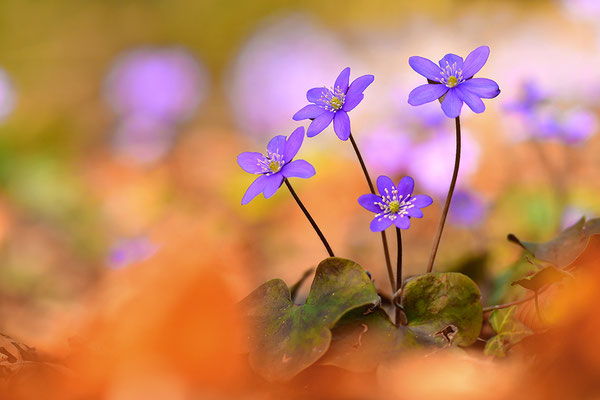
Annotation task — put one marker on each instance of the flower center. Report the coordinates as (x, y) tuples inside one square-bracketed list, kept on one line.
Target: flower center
[(274, 166), (336, 103), (332, 99), (271, 163), (394, 206), (451, 75)]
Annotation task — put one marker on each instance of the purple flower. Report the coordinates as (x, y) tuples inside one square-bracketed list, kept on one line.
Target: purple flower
[(276, 165), (395, 204), (453, 82), (334, 104)]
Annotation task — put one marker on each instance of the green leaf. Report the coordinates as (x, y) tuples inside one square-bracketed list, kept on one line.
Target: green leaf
[(363, 339), (286, 338), (562, 250), (509, 331), (543, 277), (438, 303)]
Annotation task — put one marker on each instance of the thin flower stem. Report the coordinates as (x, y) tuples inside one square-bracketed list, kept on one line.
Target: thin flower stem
[(506, 305), (386, 250), (310, 219), (399, 273), (438, 235)]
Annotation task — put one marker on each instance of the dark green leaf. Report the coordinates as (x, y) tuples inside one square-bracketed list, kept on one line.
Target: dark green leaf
[(543, 277), (362, 340), (438, 303), (562, 250), (286, 338)]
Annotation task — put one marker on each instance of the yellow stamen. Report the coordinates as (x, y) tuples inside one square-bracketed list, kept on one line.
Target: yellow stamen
[(274, 166), (394, 206), (452, 81), (336, 103)]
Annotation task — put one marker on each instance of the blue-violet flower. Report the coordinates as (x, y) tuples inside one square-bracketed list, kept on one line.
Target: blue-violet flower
[(333, 104), (453, 82), (276, 165), (394, 204)]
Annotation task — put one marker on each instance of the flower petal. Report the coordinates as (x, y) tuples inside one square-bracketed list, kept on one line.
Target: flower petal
[(298, 169), (402, 222), (425, 67), (450, 59), (359, 85), (405, 187), (249, 161), (352, 101), (315, 94), (341, 125), (452, 104), (380, 223), (254, 189), (368, 201), (277, 145), (475, 61), (272, 183), (421, 200), (415, 212), (426, 93), (482, 87), (319, 124), (385, 185), (473, 101), (310, 111), (293, 143), (341, 83)]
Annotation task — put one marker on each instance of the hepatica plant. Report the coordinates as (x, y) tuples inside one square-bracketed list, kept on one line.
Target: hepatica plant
[(344, 321)]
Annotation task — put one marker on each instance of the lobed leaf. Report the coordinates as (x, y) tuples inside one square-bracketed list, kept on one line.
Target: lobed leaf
[(444, 303), (363, 339), (509, 331), (562, 250), (543, 277), (286, 338)]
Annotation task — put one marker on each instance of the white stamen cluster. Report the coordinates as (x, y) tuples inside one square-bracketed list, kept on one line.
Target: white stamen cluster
[(271, 163), (451, 76), (333, 99), (393, 206)]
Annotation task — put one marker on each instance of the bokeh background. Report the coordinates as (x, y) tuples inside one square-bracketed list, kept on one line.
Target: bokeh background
[(120, 123)]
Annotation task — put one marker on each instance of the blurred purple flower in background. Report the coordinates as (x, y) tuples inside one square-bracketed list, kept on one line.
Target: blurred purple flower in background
[(453, 80), (334, 104), (431, 163), (7, 95), (572, 214), (394, 204), (129, 251), (165, 83), (387, 150), (276, 165), (468, 208), (267, 81), (578, 126), (543, 120), (152, 90)]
